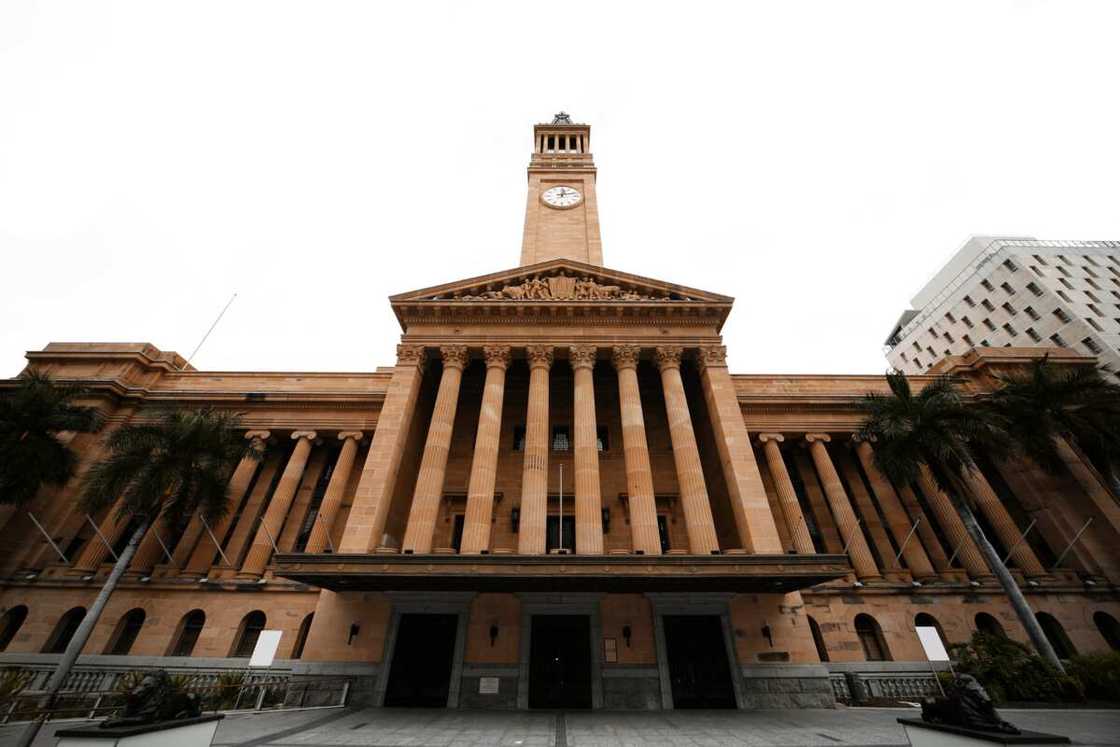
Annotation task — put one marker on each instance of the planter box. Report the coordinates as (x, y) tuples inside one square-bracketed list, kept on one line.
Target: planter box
[(922, 734), (190, 732)]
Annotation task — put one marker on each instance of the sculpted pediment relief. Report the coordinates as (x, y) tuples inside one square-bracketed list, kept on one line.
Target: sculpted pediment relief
[(560, 286)]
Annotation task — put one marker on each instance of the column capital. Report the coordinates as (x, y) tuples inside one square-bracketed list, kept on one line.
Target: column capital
[(258, 435), (539, 356), (712, 356), (497, 356), (309, 435), (668, 356), (625, 356), (775, 437), (858, 438), (411, 355), (814, 437), (582, 356), (454, 356), (347, 435)]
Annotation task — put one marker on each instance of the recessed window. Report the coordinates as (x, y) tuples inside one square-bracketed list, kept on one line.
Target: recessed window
[(1089, 272), (989, 325), (602, 438), (1061, 314), (950, 318), (1092, 284), (1064, 259), (1093, 323), (1091, 297), (967, 339), (967, 321), (1095, 310), (987, 305), (1009, 309), (1010, 265), (249, 631), (561, 438), (948, 337), (987, 285), (1036, 271), (1062, 295), (519, 438), (1058, 340), (1040, 260), (1090, 260), (1007, 289), (1010, 330), (1031, 313), (1034, 289), (128, 628), (968, 300), (1033, 335), (1064, 271)]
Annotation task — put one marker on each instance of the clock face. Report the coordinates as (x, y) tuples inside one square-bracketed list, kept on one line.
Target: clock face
[(562, 197)]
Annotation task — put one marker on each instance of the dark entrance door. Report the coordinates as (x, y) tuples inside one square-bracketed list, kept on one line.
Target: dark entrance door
[(560, 662), (698, 666), (420, 675)]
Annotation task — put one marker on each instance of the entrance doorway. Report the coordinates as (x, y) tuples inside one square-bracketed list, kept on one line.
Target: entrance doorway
[(420, 675), (553, 538), (560, 661), (699, 672)]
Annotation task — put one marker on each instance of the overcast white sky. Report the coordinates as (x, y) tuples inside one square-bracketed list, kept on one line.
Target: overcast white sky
[(818, 161)]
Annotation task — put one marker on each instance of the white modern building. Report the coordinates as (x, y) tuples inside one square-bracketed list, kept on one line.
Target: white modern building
[(1002, 291)]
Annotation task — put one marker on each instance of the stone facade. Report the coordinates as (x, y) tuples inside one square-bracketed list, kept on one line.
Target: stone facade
[(441, 485)]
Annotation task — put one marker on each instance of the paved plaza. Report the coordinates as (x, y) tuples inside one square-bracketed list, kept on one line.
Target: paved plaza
[(441, 728)]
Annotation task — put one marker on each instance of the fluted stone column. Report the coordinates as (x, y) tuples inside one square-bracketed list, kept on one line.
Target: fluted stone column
[(336, 489), (588, 493), (898, 522), (1002, 523), (484, 466), (150, 551), (846, 521), (641, 501), (272, 521), (951, 524), (433, 464), (702, 539), (200, 557), (95, 552), (531, 539), (787, 496), (365, 525), (754, 521), (1090, 482)]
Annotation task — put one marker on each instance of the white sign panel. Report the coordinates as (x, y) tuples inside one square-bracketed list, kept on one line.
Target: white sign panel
[(265, 650), (488, 685), (931, 643)]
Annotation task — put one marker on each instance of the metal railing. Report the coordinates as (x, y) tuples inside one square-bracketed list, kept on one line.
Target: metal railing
[(216, 692)]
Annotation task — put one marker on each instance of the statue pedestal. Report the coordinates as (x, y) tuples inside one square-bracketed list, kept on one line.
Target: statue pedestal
[(187, 732), (923, 734)]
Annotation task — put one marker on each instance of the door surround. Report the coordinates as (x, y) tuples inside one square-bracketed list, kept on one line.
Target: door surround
[(422, 602), (543, 603), (693, 604)]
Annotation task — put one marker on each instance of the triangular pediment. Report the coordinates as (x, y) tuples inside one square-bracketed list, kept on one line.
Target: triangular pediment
[(560, 280)]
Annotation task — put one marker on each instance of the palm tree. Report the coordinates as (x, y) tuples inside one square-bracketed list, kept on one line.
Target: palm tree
[(172, 468), (1049, 406), (941, 429), (31, 417)]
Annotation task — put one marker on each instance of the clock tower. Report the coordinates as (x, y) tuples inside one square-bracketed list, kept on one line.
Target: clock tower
[(561, 214)]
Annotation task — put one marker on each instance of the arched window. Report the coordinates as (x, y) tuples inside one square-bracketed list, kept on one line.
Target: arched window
[(65, 629), (1056, 634), (13, 619), (301, 636), (190, 627), (247, 634), (985, 623), (1106, 624), (871, 638), (818, 639), (926, 620), (125, 635)]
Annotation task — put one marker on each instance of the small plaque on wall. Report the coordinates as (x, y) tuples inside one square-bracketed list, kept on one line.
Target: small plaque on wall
[(610, 650), (488, 685)]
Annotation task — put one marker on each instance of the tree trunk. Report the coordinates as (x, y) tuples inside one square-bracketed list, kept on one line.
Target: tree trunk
[(1018, 602), (81, 635)]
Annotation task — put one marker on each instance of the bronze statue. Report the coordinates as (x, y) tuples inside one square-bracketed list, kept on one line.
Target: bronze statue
[(155, 699), (966, 704)]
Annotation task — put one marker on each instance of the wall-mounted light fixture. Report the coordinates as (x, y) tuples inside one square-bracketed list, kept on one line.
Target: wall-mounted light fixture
[(493, 633), (626, 633), (606, 520), (515, 518), (354, 629)]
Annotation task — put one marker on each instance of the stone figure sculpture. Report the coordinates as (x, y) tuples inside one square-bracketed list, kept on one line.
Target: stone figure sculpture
[(156, 698), (966, 704)]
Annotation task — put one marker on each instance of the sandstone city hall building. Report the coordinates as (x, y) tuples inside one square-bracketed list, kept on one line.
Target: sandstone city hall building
[(557, 495)]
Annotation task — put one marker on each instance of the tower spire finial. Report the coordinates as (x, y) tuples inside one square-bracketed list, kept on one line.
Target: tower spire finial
[(562, 118)]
